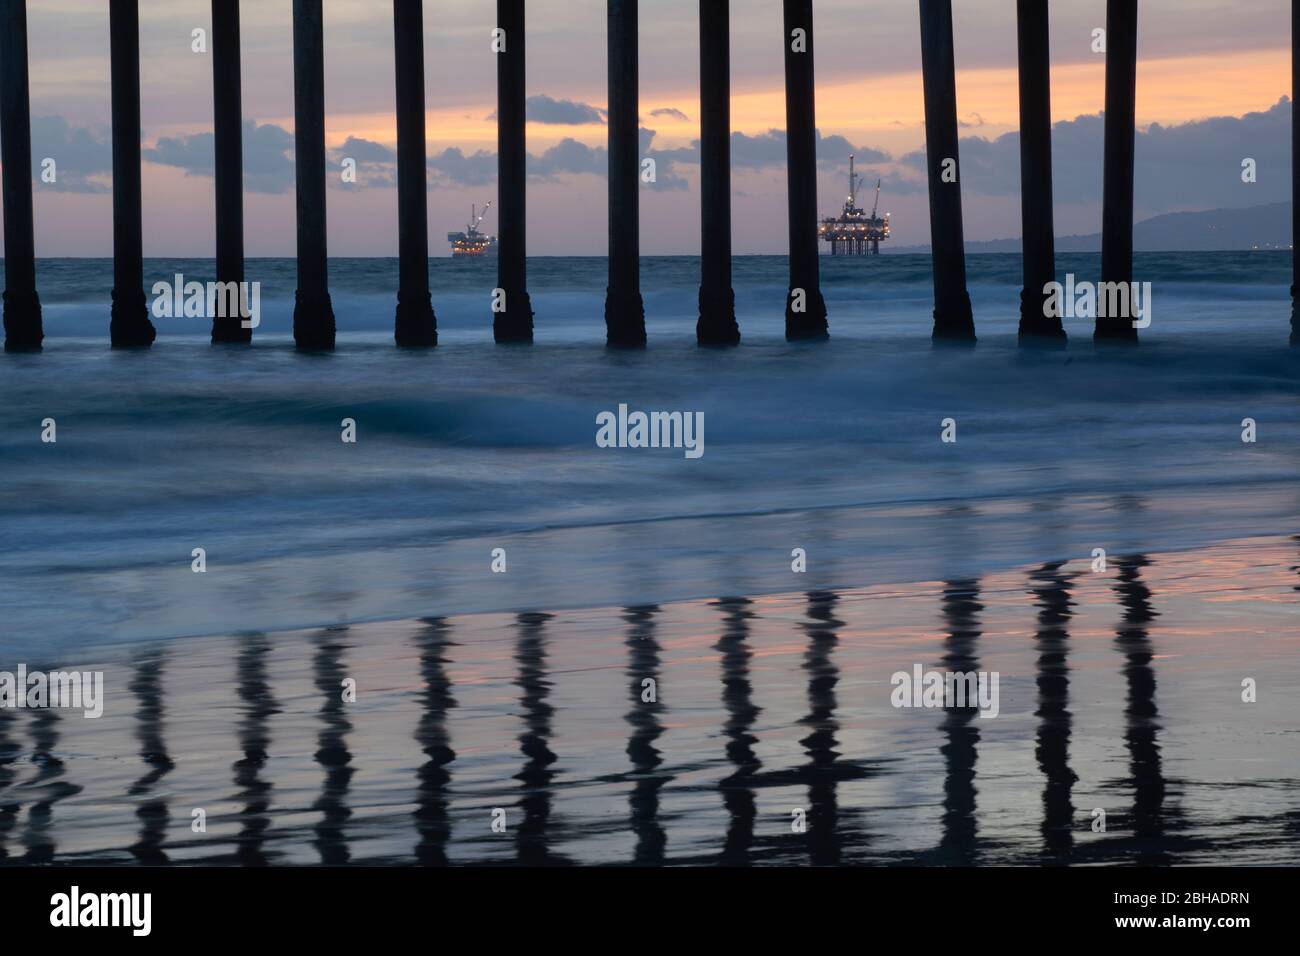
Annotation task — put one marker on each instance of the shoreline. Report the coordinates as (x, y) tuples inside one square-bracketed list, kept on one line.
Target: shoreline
[(844, 561), (764, 703)]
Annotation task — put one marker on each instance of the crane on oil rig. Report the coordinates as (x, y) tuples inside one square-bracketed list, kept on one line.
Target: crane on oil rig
[(855, 233), (472, 243)]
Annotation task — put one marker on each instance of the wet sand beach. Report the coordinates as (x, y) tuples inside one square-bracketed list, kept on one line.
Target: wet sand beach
[(1120, 691)]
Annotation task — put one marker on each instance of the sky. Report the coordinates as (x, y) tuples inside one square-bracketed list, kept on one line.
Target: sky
[(1213, 76)]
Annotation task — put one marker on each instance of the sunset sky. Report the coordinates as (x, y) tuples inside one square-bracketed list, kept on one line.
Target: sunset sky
[(1211, 74)]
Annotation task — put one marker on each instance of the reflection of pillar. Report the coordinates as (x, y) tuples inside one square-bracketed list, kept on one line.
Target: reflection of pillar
[(961, 609), (147, 687), (805, 309), (416, 325), (952, 311), (9, 807), (258, 707), (1117, 187), (535, 742), (332, 752), (1140, 712), (717, 323), (1038, 241), (432, 799), (129, 326), (228, 147), (624, 310), (49, 783), (643, 718), (515, 324), (313, 314), (737, 699), (824, 836), (1297, 537), (22, 307), (1051, 587)]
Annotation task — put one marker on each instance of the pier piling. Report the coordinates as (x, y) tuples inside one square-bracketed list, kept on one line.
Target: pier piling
[(1295, 172), (313, 314), (953, 321), (805, 309), (624, 309), (515, 323), (22, 306), (1038, 241), (129, 326), (717, 323), (228, 147), (1117, 187), (416, 325)]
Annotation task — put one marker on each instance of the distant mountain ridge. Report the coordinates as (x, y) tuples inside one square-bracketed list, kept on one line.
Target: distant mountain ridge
[(1253, 227)]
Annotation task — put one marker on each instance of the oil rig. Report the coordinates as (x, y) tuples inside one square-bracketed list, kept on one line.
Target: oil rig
[(855, 233), (472, 243)]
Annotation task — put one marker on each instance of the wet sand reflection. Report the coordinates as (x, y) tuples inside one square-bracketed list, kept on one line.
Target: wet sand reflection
[(1146, 818), (741, 712), (1055, 609), (48, 785), (643, 719), (432, 821), (958, 844), (259, 706), (533, 833), (10, 751), (147, 686), (332, 749)]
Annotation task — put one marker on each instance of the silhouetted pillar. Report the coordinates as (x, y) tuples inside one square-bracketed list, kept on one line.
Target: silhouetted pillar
[(805, 309), (1295, 171), (416, 326), (129, 326), (717, 324), (1038, 241), (624, 310), (952, 312), (228, 146), (515, 323), (1117, 188), (22, 307), (313, 314)]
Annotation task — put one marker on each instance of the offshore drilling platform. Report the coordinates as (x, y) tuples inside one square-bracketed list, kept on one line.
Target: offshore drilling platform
[(473, 243), (855, 233)]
